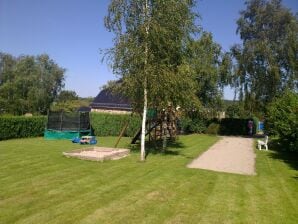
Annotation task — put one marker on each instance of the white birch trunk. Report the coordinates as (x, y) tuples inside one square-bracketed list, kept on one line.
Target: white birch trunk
[(143, 133)]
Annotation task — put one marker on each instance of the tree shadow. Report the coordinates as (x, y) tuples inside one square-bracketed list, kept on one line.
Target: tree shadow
[(172, 149), (280, 153)]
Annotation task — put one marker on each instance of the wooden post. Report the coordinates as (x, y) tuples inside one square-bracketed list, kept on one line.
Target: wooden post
[(121, 133)]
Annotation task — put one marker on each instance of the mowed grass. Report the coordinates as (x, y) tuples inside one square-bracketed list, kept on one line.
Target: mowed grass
[(39, 185)]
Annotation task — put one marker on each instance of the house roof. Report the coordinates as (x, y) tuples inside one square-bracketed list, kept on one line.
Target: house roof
[(108, 100)]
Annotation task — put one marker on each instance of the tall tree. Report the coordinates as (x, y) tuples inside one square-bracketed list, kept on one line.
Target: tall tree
[(29, 84), (149, 53), (267, 60), (211, 69), (67, 95), (7, 89)]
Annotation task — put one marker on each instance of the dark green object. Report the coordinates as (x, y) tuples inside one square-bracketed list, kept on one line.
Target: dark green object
[(151, 113), (21, 127), (62, 125), (105, 124)]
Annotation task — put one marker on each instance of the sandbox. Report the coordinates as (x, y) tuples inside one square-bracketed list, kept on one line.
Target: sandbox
[(98, 153)]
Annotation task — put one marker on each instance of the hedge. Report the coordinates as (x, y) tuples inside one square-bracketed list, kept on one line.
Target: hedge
[(105, 124), (21, 127), (233, 126), (226, 126)]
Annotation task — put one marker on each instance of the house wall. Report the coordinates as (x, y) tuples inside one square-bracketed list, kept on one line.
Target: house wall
[(110, 111)]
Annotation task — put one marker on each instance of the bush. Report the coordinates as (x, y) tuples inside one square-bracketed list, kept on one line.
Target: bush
[(195, 125), (21, 127), (282, 119), (105, 124), (256, 124), (213, 129)]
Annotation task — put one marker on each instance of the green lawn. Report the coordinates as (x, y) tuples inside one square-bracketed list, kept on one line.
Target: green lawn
[(39, 185)]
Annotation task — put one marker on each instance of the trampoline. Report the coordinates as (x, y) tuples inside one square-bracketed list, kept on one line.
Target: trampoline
[(67, 125)]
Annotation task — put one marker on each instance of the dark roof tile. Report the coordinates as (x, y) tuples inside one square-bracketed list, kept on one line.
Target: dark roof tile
[(107, 100)]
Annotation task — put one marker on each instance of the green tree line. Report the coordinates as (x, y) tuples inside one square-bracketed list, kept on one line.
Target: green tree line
[(163, 56), (266, 62), (28, 84)]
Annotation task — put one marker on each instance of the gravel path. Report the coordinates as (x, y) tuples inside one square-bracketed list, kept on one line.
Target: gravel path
[(230, 154)]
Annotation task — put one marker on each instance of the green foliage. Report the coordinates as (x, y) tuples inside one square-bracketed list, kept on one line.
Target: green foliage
[(210, 67), (236, 110), (267, 59), (67, 95), (69, 105), (69, 101), (255, 124), (21, 127), (150, 50), (193, 125), (282, 119), (193, 122), (213, 129), (105, 124), (28, 84)]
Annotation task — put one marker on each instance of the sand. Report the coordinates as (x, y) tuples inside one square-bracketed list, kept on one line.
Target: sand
[(230, 154)]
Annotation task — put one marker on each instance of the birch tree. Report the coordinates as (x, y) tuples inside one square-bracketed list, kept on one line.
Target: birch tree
[(150, 50)]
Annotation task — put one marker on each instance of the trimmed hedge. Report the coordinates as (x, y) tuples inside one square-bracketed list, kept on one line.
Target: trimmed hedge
[(233, 126), (21, 127), (105, 124), (226, 126)]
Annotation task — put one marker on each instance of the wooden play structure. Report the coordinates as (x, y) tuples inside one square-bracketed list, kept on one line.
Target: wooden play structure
[(160, 125)]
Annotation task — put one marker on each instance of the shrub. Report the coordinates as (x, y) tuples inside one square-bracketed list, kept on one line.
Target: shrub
[(105, 124), (256, 124), (195, 125), (213, 129), (282, 119), (20, 127)]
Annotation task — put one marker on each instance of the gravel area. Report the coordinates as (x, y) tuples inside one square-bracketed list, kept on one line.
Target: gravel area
[(230, 154)]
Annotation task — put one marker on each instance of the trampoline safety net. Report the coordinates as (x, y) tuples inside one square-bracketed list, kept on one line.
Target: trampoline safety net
[(62, 125)]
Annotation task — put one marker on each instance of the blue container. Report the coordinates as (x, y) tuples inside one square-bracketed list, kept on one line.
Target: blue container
[(261, 126)]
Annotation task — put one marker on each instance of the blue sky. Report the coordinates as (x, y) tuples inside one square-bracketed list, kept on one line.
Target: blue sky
[(72, 33)]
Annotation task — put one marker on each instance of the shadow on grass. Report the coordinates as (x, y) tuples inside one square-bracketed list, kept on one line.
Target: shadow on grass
[(280, 153), (156, 148)]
